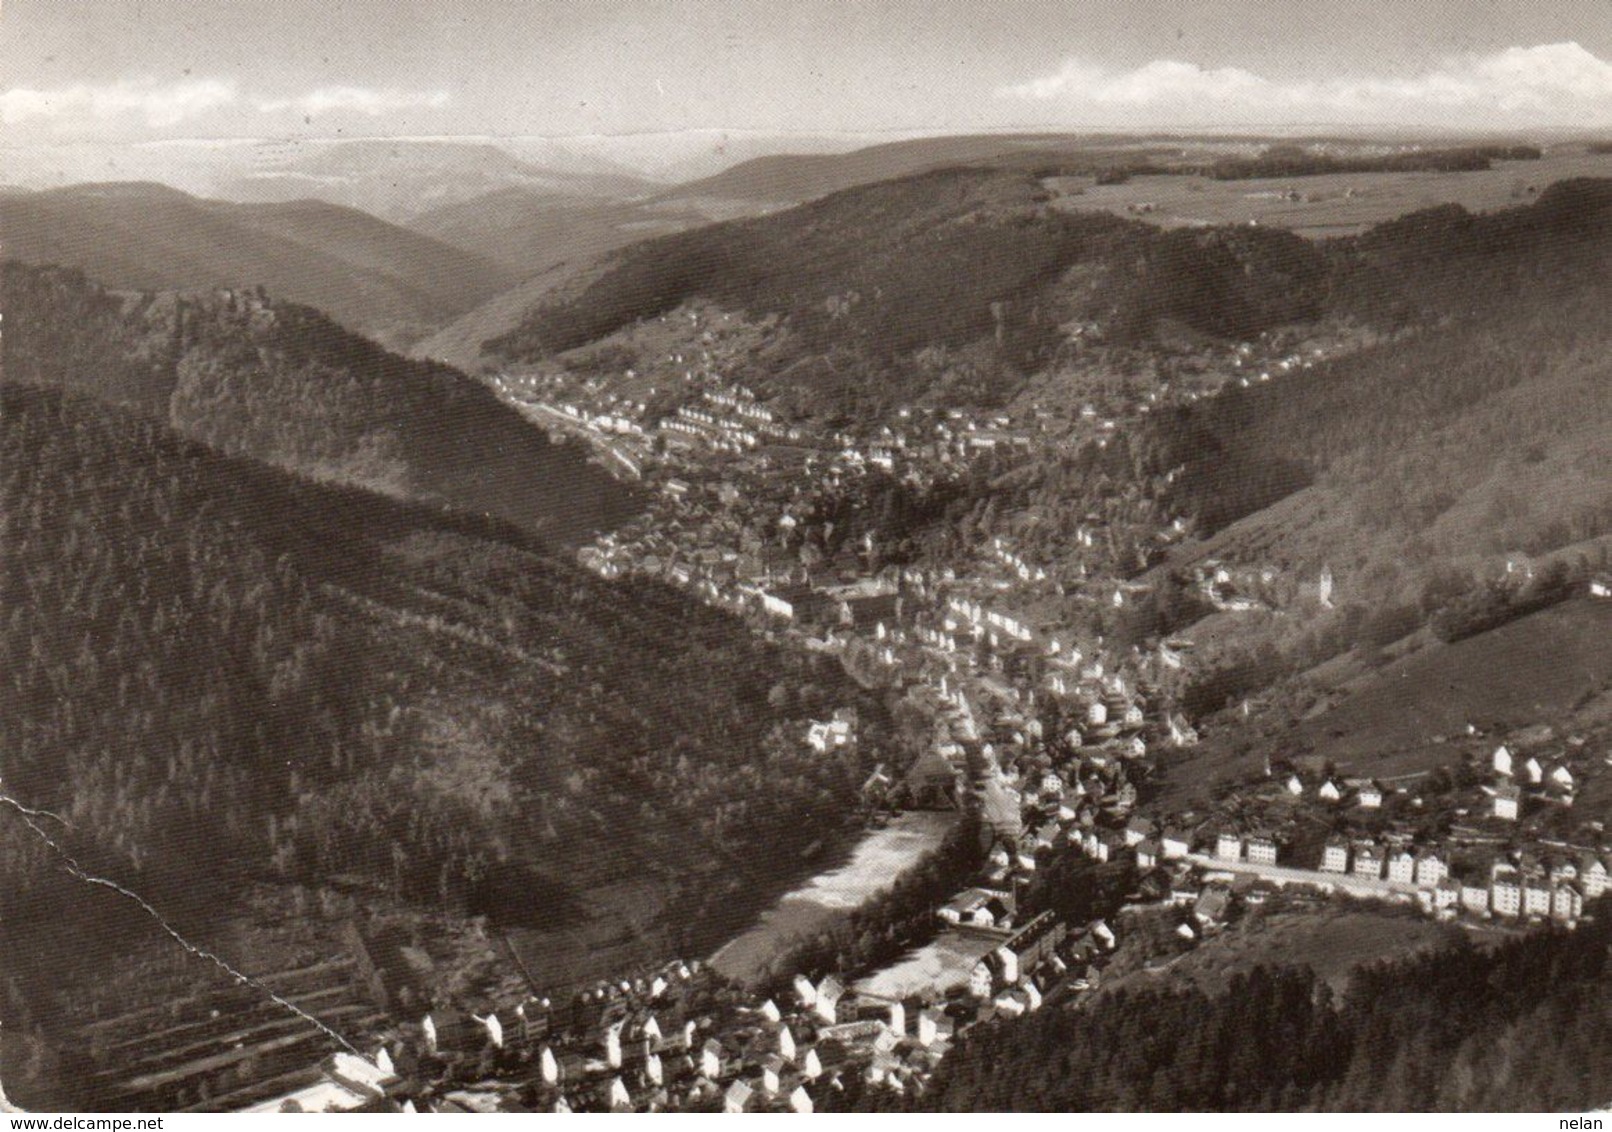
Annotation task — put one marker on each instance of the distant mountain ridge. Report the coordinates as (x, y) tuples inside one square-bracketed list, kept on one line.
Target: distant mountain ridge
[(375, 277), (404, 178), (792, 178)]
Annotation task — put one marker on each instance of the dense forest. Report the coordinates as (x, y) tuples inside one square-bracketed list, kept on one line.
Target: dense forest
[(1469, 437), (215, 668), (872, 281), (282, 383), (1297, 161), (1524, 1026)]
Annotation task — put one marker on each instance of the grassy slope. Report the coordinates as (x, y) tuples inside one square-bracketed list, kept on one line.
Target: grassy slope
[(1538, 668), (462, 342), (1331, 941)]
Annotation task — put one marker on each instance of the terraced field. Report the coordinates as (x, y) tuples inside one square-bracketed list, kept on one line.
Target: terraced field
[(230, 1046)]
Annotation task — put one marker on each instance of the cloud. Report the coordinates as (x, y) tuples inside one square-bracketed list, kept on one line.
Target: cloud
[(159, 104), (1556, 83), (1163, 80), (356, 99)]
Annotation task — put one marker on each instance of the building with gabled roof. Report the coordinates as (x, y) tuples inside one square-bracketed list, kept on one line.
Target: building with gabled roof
[(737, 1097)]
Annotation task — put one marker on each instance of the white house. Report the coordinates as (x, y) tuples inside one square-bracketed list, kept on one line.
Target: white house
[(1430, 868), (772, 1068), (1505, 895), (1402, 866), (737, 1097), (711, 1059), (1507, 801), (1566, 903), (1536, 896), (620, 1099), (829, 993), (1367, 860), (1592, 875), (927, 1031), (805, 991), (1261, 850), (1228, 847), (1502, 761)]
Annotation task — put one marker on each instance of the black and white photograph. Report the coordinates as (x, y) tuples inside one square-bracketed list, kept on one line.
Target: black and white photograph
[(566, 556)]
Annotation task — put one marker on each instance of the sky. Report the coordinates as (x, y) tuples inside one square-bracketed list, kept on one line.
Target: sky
[(138, 70)]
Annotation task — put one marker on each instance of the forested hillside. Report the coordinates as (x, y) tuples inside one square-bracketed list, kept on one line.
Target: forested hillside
[(877, 285), (1481, 432), (1473, 430), (282, 383), (1465, 424), (213, 668), (1523, 1027), (374, 277)]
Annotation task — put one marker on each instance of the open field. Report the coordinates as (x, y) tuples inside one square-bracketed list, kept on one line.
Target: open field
[(876, 862), (1552, 667), (1338, 204), (944, 962)]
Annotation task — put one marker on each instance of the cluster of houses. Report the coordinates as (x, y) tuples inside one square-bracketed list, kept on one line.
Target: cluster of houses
[(726, 419), (731, 531), (987, 962), (676, 1040), (1544, 879), (1515, 779)]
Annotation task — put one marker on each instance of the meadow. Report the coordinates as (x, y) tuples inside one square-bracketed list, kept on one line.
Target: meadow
[(1340, 204)]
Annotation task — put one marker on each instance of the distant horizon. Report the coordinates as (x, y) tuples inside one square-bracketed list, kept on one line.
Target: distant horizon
[(676, 156)]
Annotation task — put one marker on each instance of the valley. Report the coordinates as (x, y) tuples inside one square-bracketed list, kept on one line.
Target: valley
[(934, 602)]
